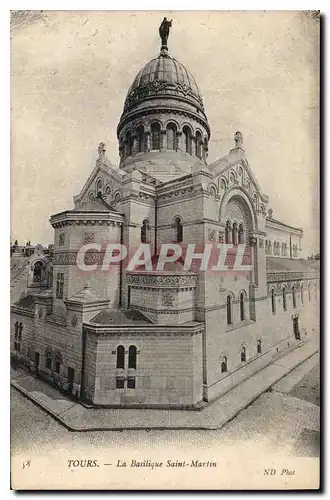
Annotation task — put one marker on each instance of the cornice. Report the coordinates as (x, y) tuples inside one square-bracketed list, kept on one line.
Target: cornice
[(143, 331), (65, 219), (163, 311)]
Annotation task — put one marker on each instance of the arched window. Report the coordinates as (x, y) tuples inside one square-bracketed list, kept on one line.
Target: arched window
[(269, 248), (199, 142), (108, 190), (187, 139), (274, 251), (234, 234), (229, 310), (132, 356), (240, 234), (58, 360), (155, 136), (129, 144), (242, 306), (243, 355), (240, 175), (20, 329), (284, 298), (259, 347), (309, 293), (273, 301), (178, 230), (302, 294), (120, 357), (224, 364), (283, 253), (171, 137), (228, 232), (213, 191), (294, 302), (99, 186), (145, 231), (48, 359), (37, 272), (266, 247), (140, 139)]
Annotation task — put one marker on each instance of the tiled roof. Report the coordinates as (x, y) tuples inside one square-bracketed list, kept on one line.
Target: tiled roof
[(278, 265), (120, 317), (26, 302)]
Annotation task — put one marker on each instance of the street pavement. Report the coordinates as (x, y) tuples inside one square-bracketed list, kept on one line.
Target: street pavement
[(77, 417), (276, 422)]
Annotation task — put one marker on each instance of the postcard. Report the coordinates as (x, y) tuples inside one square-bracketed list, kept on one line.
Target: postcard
[(165, 256)]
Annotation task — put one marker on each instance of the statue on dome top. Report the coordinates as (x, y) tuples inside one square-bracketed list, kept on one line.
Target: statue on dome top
[(164, 31)]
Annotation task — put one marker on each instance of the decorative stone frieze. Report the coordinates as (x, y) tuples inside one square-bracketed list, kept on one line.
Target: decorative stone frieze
[(289, 276), (70, 258), (186, 280), (212, 235), (66, 223), (168, 299), (88, 238)]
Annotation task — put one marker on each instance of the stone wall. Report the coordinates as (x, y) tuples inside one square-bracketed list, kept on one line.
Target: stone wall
[(168, 371)]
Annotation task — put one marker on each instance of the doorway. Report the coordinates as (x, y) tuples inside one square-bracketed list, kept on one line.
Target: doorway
[(70, 379), (296, 328), (36, 361)]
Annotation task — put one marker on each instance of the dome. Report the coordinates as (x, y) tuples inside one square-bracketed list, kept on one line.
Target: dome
[(163, 130), (164, 75)]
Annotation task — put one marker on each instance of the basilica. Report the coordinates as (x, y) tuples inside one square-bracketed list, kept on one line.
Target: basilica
[(176, 338)]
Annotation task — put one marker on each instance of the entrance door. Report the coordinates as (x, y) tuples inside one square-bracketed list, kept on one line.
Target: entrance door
[(296, 328), (36, 361), (70, 378)]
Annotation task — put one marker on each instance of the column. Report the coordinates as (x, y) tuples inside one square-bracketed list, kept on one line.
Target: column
[(163, 140)]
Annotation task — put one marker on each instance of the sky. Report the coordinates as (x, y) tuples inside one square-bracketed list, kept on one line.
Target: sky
[(258, 72)]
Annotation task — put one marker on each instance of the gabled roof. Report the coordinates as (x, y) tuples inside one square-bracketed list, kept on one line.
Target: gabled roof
[(97, 205), (107, 169), (232, 158), (85, 295)]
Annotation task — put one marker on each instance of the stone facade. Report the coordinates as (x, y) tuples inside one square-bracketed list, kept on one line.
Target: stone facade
[(177, 338)]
